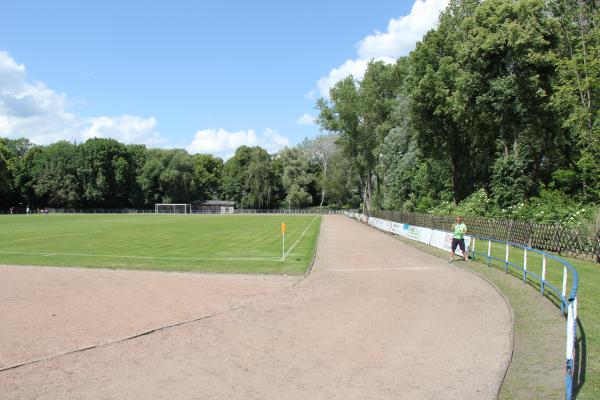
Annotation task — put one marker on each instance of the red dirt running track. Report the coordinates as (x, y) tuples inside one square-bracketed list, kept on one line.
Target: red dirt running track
[(376, 319)]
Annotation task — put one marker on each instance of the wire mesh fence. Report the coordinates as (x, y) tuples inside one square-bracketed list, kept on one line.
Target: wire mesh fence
[(549, 237)]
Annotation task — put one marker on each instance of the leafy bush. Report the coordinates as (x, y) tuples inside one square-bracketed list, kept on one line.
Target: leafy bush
[(477, 204), (551, 206)]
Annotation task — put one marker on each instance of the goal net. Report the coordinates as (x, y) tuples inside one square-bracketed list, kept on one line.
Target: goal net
[(172, 208)]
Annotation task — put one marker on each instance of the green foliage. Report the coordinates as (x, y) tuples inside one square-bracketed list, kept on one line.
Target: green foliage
[(495, 110), (296, 178), (166, 177), (5, 175), (207, 176), (359, 113), (510, 183), (260, 181), (55, 175), (577, 89), (105, 171), (551, 206), (477, 204)]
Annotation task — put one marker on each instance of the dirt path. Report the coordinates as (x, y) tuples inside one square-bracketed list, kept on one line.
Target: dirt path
[(375, 320)]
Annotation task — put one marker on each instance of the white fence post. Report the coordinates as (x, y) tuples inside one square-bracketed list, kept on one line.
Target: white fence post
[(564, 290), (570, 350), (506, 262), (524, 265), (543, 273), (489, 251)]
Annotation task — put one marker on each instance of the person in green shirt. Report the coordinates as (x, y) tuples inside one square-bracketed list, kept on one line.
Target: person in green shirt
[(460, 229)]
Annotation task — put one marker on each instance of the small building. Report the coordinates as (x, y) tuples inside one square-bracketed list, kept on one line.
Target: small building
[(214, 206)]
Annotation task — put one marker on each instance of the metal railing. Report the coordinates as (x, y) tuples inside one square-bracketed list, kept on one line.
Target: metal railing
[(556, 237), (568, 301)]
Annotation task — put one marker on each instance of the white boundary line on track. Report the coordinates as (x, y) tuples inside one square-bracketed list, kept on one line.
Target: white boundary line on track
[(300, 238), (50, 254), (383, 269)]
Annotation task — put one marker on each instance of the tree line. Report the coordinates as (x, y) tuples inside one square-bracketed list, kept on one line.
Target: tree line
[(104, 173), (497, 110), (494, 113)]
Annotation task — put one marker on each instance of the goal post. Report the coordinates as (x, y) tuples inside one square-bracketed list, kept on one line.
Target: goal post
[(166, 208)]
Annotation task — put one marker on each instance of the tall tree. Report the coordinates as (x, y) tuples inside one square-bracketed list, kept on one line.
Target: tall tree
[(54, 173), (507, 62), (577, 95), (296, 177), (260, 181), (5, 176), (207, 176), (438, 115), (341, 115), (234, 176), (106, 173), (167, 176), (359, 113), (321, 150)]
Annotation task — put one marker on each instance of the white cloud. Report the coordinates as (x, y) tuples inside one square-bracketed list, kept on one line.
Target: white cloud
[(35, 111), (306, 119), (126, 128), (224, 143), (400, 39), (402, 33), (356, 68)]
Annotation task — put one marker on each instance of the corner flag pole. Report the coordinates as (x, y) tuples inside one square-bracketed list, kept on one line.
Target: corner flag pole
[(283, 240)]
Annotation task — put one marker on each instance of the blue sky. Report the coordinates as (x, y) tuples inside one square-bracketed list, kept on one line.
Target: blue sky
[(205, 76)]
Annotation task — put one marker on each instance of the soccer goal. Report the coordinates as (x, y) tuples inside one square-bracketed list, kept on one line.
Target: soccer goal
[(172, 208)]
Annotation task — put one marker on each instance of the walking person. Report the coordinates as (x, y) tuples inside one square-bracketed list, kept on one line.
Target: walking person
[(460, 229)]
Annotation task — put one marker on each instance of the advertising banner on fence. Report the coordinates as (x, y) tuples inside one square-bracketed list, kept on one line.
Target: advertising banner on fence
[(418, 233), (440, 239), (380, 224), (399, 229)]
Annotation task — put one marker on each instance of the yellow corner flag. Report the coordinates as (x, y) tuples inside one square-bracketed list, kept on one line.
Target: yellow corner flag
[(283, 227)]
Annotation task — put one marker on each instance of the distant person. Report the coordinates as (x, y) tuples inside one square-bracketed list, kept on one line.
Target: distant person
[(458, 240), (12, 210), (28, 211)]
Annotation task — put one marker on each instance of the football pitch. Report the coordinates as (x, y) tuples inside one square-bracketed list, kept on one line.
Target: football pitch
[(211, 243)]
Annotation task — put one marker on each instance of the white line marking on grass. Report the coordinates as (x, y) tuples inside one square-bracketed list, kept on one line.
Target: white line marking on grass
[(49, 254), (300, 238), (53, 236)]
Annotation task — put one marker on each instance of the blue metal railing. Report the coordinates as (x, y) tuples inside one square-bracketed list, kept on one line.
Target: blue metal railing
[(566, 302)]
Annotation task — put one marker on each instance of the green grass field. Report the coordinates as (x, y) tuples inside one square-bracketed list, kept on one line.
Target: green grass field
[(212, 243)]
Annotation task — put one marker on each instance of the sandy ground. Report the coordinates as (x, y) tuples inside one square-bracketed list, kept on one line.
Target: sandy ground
[(376, 319)]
